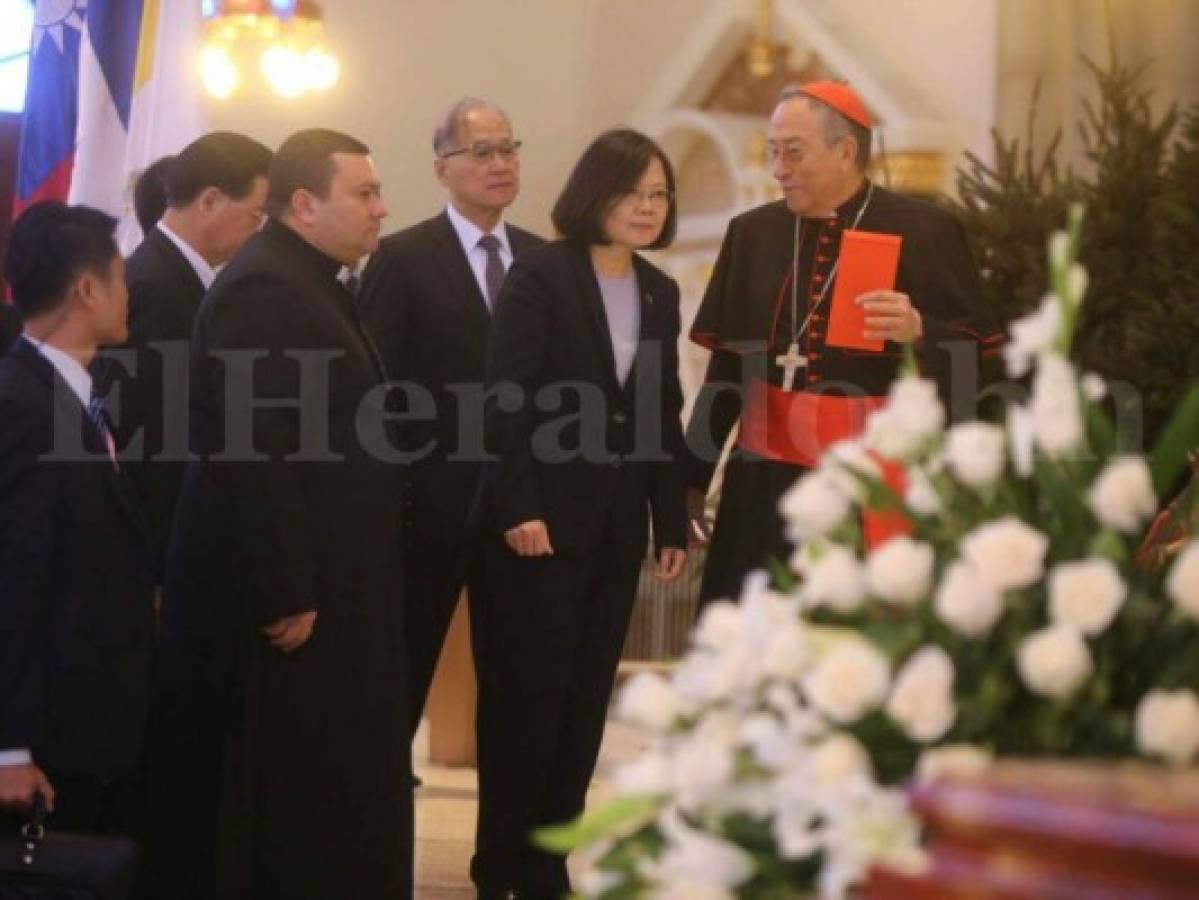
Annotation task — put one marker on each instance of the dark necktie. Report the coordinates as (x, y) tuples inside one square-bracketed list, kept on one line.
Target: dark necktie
[(95, 412), (494, 273)]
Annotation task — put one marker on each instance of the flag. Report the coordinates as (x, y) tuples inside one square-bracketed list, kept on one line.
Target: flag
[(47, 150), (112, 87)]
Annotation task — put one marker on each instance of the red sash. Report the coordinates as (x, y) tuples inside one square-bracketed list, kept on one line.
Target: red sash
[(798, 427)]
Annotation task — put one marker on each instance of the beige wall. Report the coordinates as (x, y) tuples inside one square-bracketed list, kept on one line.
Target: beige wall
[(404, 62), (566, 69), (1047, 38)]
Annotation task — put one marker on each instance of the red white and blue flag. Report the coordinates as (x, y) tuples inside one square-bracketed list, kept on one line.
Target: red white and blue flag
[(112, 87)]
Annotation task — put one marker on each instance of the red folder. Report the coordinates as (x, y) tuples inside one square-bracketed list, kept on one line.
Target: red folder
[(869, 262)]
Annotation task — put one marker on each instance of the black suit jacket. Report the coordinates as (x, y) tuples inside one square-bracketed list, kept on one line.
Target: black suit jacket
[(420, 300), (574, 441), (164, 296), (10, 326), (76, 594)]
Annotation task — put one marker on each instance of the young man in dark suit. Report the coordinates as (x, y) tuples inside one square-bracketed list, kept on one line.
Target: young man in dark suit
[(214, 194), (75, 577), (427, 297)]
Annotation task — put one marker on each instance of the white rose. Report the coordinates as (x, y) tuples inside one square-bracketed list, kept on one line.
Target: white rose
[(976, 453), (1182, 584), (1054, 662), (913, 414), (849, 681), (839, 758), (1033, 335), (720, 626), (1021, 439), (815, 505), (784, 655), (954, 760), (1167, 725), (1093, 387), (703, 760), (836, 580), (1122, 496), (849, 462), (1086, 595), (692, 890), (967, 602), (1056, 407), (921, 701), (649, 700), (696, 857), (901, 570), (921, 497), (650, 773), (1007, 552), (917, 403)]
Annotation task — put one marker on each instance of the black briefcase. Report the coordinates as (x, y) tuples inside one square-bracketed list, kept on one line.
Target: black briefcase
[(39, 864)]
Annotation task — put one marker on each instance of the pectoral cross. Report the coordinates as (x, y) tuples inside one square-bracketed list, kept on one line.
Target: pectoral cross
[(791, 362)]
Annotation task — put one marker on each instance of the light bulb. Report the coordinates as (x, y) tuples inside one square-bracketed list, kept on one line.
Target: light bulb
[(218, 71), (321, 68), (283, 69)]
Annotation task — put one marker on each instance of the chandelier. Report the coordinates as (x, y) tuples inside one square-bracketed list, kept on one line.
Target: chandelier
[(282, 39)]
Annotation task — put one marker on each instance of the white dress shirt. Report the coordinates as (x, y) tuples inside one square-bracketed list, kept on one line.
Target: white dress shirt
[(205, 272), (80, 383), (468, 236)]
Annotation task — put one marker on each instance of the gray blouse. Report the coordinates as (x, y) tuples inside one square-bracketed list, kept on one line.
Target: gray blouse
[(623, 307)]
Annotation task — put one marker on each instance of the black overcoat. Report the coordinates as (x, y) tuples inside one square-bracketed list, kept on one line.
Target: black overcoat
[(307, 752)]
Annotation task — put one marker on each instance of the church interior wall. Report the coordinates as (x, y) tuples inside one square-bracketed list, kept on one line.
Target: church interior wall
[(566, 69)]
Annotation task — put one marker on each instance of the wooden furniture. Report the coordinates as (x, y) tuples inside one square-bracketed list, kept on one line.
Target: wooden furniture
[(1056, 831), (453, 697)]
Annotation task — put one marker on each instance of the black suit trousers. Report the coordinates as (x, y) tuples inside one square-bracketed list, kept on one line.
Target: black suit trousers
[(435, 572), (555, 627)]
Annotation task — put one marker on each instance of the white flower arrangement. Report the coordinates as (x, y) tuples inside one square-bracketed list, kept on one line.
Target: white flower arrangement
[(1011, 620)]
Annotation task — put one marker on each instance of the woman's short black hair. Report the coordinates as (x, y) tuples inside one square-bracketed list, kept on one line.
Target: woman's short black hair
[(150, 193), (607, 170)]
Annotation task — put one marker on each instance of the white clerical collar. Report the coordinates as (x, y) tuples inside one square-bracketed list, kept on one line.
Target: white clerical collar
[(469, 233), (205, 272), (74, 374)]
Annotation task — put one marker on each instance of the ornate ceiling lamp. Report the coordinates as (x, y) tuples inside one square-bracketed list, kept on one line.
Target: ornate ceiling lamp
[(283, 40), (760, 54)]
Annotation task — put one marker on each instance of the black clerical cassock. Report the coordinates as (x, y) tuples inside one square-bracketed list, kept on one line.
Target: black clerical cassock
[(790, 413)]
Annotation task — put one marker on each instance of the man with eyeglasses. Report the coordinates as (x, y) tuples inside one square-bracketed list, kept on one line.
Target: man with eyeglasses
[(427, 296), (765, 317)]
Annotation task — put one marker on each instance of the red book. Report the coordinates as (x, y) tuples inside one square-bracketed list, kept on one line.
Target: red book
[(869, 262)]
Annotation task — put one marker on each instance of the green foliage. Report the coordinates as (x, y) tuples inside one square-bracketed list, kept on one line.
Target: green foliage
[(1139, 326)]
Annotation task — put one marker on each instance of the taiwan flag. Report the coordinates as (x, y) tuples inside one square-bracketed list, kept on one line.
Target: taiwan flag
[(112, 87)]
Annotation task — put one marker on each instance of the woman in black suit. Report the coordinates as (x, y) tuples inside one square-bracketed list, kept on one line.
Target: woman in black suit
[(584, 422)]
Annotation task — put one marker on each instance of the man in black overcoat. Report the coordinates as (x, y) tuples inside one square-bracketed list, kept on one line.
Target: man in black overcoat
[(286, 747), (427, 299), (76, 610), (215, 189)]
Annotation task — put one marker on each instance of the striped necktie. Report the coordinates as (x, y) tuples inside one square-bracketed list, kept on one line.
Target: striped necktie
[(95, 412)]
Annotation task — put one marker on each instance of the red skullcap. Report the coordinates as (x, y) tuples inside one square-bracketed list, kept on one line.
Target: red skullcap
[(840, 97)]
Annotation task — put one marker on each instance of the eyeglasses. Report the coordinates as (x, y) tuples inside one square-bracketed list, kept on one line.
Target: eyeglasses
[(789, 151), (485, 152), (659, 198)]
